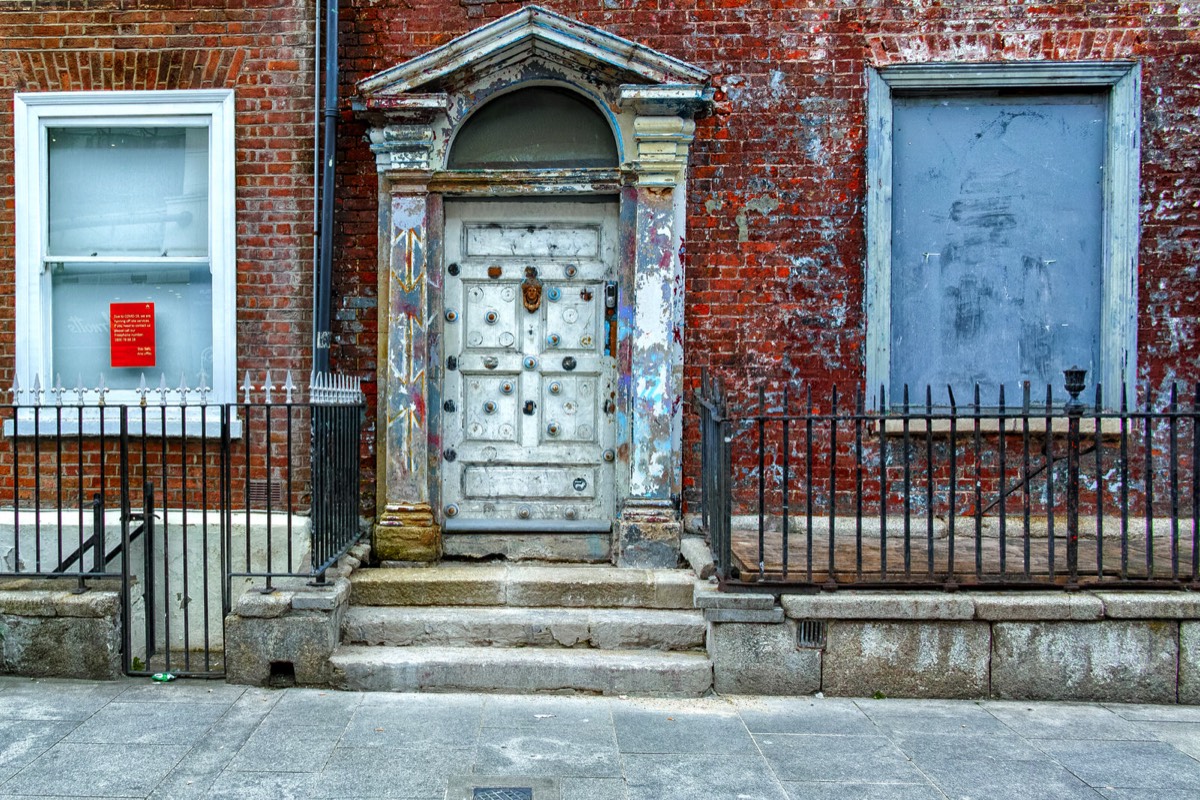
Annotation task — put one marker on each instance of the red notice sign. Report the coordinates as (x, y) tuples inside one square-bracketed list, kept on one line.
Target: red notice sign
[(131, 331)]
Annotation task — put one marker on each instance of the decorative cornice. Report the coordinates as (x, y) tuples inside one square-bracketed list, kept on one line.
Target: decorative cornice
[(401, 147), (526, 32), (662, 148)]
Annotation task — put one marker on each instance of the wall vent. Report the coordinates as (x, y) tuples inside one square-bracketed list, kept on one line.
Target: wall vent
[(259, 491), (810, 634)]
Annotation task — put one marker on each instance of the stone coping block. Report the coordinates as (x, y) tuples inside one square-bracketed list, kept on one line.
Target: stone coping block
[(1011, 606), (92, 604), (750, 615), (1150, 605), (256, 605), (879, 606), (706, 595)]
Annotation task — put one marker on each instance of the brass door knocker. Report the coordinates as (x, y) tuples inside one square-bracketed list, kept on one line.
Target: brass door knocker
[(531, 290)]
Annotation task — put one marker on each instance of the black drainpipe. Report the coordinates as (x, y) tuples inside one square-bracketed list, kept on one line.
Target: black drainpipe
[(323, 287)]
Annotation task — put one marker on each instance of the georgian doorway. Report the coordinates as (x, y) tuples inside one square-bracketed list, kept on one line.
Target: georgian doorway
[(532, 178)]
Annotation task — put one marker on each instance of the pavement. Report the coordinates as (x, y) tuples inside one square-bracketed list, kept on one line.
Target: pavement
[(136, 738)]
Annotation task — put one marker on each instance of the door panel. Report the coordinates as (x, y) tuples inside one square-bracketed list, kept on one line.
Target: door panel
[(528, 289)]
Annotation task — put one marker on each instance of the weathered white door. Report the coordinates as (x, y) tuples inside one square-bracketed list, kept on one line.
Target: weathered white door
[(529, 393)]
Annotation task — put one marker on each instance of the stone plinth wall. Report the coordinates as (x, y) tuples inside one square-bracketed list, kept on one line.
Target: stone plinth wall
[(1138, 647), (47, 631), (289, 634)]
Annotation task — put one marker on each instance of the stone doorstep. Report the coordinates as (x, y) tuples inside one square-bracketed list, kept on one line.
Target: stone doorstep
[(522, 585), (526, 669), (509, 626)]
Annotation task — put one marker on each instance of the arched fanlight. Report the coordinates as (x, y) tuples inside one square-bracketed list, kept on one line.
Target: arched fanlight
[(542, 127)]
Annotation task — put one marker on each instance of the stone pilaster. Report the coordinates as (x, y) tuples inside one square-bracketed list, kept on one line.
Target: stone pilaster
[(406, 529), (649, 528)]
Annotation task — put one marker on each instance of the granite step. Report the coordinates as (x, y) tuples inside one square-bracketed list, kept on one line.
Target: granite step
[(574, 586), (521, 670), (488, 626)]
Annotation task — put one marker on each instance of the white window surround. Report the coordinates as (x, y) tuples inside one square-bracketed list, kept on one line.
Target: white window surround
[(33, 114), (1118, 323)]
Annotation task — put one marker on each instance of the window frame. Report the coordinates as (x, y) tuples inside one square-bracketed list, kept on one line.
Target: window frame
[(34, 113), (1120, 192)]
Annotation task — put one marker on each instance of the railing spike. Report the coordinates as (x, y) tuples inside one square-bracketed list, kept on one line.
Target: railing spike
[(79, 390), (183, 389), (163, 389), (58, 390), (37, 390), (268, 388), (142, 391), (288, 388), (203, 388), (101, 390), (247, 386), (17, 391)]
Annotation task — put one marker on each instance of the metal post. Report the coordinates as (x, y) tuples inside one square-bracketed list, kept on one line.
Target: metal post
[(1074, 409)]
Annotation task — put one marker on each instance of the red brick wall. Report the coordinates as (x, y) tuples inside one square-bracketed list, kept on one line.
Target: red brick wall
[(776, 246), (263, 50)]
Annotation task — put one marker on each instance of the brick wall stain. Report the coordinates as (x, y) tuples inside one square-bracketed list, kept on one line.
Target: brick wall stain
[(775, 249)]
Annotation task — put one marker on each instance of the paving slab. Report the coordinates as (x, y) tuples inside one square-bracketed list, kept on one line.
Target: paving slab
[(1133, 765), (845, 759), (23, 740), (681, 731), (98, 770), (278, 748), (862, 791), (57, 699), (583, 751), (687, 777), (1065, 721), (930, 716), (593, 789), (148, 723), (829, 715), (415, 721), (515, 711)]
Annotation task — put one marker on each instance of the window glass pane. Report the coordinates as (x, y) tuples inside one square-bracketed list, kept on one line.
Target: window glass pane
[(133, 191), (82, 296), (536, 128), (997, 250)]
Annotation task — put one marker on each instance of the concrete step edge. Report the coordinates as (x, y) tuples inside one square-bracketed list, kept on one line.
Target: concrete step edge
[(509, 626), (521, 670), (522, 585)]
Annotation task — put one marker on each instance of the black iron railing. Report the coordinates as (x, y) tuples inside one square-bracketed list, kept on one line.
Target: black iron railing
[(187, 503), (797, 493)]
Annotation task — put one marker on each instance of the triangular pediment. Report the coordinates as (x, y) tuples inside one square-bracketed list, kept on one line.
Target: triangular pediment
[(532, 32)]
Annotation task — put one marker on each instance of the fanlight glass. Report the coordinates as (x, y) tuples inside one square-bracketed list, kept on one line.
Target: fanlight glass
[(537, 128)]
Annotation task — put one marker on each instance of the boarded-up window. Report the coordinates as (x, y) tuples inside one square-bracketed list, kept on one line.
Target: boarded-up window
[(997, 240)]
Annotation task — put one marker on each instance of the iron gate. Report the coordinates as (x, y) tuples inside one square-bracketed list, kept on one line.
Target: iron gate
[(182, 503)]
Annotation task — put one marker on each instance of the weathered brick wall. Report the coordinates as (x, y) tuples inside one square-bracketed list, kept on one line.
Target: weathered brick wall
[(263, 50), (776, 245)]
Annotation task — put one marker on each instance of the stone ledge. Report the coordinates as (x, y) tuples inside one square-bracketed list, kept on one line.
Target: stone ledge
[(1012, 607), (91, 604), (759, 616), (880, 606), (706, 595), (1150, 605)]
